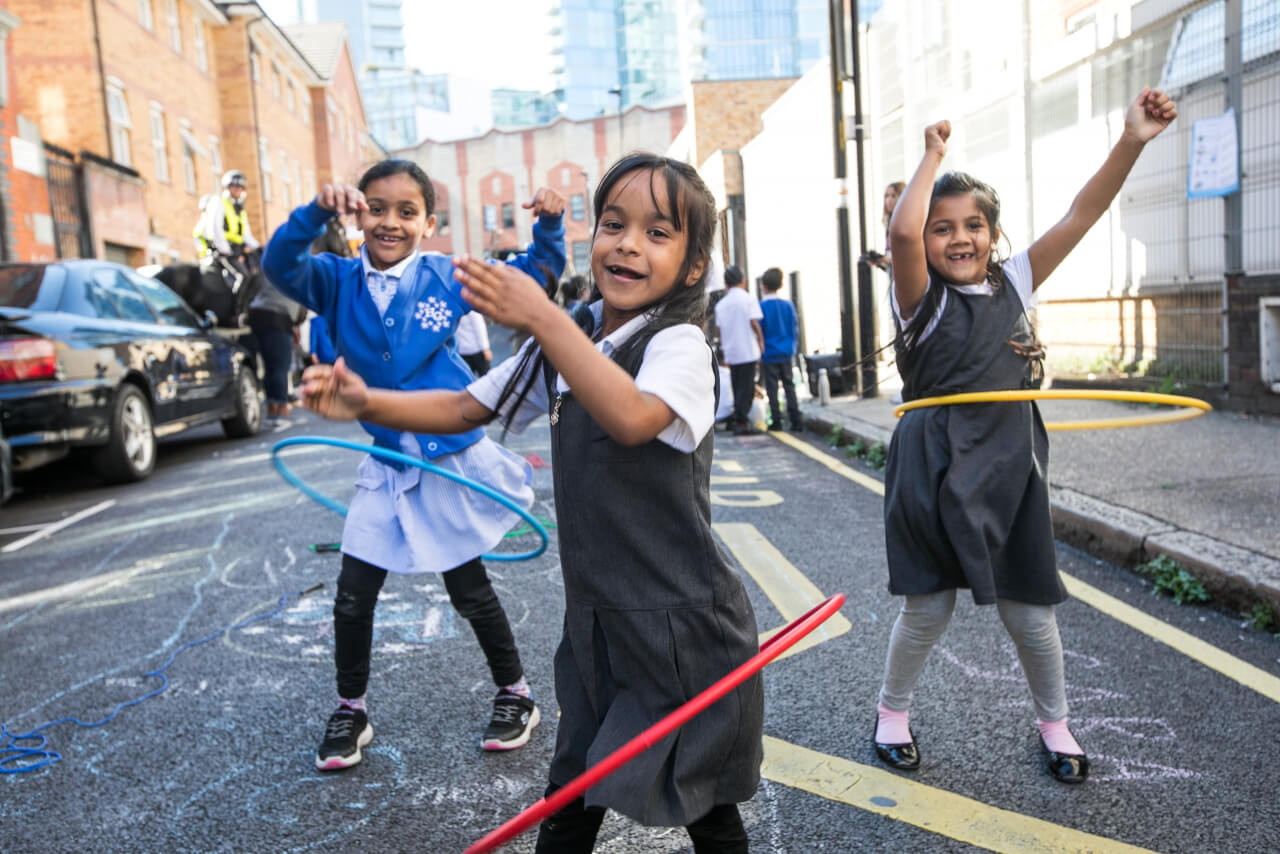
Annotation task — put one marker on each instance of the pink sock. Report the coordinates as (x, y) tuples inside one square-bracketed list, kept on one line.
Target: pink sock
[(1058, 738), (891, 726)]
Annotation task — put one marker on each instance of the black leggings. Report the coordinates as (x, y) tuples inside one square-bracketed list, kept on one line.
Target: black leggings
[(573, 830), (470, 593)]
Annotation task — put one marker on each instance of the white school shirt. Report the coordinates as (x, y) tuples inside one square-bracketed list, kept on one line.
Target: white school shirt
[(675, 369), (383, 284), (734, 314), (472, 334), (1017, 268)]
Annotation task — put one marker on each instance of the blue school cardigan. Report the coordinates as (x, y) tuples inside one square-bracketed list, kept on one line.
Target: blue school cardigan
[(413, 346)]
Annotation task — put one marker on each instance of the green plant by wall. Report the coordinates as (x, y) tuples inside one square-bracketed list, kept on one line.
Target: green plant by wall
[(876, 456), (834, 437), (1171, 579), (1262, 618)]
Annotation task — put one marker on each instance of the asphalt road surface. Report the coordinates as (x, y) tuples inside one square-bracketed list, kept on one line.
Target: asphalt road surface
[(1179, 708)]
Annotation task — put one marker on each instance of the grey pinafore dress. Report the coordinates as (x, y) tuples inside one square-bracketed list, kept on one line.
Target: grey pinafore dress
[(966, 488), (654, 614)]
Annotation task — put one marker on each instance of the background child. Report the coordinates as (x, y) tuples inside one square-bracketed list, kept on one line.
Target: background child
[(738, 318), (653, 612), (473, 343), (392, 314), (966, 500), (781, 329)]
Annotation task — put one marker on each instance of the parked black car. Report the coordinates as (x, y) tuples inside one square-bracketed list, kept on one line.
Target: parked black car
[(94, 355)]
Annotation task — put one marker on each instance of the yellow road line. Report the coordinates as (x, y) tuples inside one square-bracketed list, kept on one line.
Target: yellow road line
[(1207, 654), (830, 462), (932, 809), (1189, 645), (787, 588)]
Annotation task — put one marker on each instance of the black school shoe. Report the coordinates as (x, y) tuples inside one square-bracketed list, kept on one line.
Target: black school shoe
[(904, 757), (347, 731), (1066, 767), (514, 718)]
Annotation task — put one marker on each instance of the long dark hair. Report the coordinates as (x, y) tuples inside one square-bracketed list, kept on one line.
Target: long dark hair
[(692, 210), (950, 185)]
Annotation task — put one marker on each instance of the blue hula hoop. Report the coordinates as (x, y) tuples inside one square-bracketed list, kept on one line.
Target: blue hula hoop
[(387, 454)]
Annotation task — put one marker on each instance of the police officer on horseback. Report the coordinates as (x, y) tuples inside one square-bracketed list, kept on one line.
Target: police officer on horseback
[(223, 235)]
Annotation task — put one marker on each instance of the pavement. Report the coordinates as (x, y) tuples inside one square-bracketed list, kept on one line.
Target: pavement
[(1205, 492)]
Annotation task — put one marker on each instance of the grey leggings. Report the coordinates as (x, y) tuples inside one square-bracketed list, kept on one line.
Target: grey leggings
[(923, 620)]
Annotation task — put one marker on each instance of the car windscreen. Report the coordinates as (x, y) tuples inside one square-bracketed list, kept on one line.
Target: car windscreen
[(31, 286)]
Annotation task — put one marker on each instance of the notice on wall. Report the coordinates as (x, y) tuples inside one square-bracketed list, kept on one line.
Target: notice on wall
[(1215, 157)]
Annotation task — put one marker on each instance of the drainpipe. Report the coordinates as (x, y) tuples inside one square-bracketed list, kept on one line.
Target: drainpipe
[(102, 75), (253, 100)]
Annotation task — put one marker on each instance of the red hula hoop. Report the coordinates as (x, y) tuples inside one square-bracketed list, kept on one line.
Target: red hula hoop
[(769, 650)]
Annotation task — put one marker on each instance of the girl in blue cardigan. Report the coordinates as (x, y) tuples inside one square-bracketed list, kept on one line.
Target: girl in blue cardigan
[(391, 314)]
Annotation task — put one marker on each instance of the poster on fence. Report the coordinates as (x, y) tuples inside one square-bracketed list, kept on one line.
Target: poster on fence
[(1215, 162)]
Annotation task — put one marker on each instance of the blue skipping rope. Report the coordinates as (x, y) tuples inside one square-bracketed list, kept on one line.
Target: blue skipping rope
[(16, 759), (387, 454)]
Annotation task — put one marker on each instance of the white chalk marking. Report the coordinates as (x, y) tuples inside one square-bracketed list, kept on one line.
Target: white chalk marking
[(49, 530)]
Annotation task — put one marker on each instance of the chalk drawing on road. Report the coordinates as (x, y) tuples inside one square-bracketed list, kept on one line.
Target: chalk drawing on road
[(304, 632), (1112, 732)]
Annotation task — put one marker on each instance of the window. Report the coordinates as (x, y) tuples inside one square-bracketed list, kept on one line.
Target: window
[(581, 256), (306, 108), (167, 305), (215, 161), (285, 195), (145, 17), (275, 81), (197, 41), (115, 289), (118, 111), (158, 144), (508, 215), (297, 182), (332, 109), (265, 157), (490, 217), (255, 70), (175, 27), (188, 167), (578, 207), (497, 185), (442, 222), (290, 98)]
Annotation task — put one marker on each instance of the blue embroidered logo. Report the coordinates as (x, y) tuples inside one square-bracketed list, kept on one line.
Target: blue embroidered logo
[(433, 313)]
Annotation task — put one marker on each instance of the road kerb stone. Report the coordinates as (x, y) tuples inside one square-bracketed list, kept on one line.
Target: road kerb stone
[(1105, 530), (1235, 576)]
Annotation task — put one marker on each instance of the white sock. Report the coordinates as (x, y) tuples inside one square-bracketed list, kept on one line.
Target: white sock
[(891, 726)]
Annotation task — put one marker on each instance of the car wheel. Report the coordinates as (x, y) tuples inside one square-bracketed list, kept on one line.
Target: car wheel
[(130, 452), (248, 415)]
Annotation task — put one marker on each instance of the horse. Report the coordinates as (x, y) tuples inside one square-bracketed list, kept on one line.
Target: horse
[(204, 287)]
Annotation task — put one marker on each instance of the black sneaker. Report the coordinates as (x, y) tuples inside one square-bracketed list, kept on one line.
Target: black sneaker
[(514, 718), (346, 732)]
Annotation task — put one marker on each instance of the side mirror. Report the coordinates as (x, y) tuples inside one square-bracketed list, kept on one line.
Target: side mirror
[(209, 320)]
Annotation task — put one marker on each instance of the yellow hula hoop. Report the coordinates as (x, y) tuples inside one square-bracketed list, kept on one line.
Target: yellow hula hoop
[(1188, 407)]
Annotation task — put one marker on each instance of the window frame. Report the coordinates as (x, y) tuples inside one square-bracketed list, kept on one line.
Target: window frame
[(121, 122), (198, 43), (146, 16), (159, 142), (264, 158), (175, 26)]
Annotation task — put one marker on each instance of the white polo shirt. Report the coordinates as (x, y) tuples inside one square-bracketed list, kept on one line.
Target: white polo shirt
[(472, 334), (676, 369), (734, 314)]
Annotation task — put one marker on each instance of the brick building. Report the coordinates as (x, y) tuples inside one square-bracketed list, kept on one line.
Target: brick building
[(344, 147), (144, 103), (482, 182), (26, 226)]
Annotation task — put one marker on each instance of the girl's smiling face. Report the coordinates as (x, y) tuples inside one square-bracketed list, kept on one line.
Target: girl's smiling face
[(958, 239), (637, 252), (396, 221)]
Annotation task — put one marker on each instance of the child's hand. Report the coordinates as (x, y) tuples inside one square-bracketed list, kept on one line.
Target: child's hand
[(1150, 113), (935, 137), (341, 199), (501, 292), (545, 202), (334, 391)]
